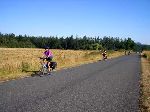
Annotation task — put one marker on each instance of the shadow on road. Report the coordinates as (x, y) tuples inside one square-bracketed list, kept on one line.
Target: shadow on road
[(33, 73)]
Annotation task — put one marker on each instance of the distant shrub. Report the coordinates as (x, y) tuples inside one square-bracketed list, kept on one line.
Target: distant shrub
[(25, 66)]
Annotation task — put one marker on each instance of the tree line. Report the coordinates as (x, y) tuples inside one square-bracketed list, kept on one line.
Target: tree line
[(84, 43)]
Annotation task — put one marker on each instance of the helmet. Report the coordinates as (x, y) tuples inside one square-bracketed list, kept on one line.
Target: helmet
[(46, 47)]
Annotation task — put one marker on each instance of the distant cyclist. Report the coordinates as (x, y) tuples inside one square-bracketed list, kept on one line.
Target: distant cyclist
[(49, 56), (104, 54), (129, 52)]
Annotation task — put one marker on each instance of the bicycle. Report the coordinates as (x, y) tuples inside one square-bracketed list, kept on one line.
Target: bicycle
[(44, 67)]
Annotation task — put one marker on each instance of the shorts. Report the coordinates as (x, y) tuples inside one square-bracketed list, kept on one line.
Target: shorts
[(49, 59)]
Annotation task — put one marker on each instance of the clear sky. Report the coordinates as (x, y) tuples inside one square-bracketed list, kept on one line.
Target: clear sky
[(116, 18)]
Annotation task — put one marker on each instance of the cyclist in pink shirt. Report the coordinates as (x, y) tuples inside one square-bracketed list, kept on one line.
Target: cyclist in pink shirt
[(49, 56)]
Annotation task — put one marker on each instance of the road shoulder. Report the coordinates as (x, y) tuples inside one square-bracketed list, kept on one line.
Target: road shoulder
[(145, 86)]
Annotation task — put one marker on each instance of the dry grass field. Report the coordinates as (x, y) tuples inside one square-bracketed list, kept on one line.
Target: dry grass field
[(20, 62), (145, 82)]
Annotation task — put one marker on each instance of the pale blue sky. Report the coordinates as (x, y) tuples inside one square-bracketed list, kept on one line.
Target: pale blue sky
[(116, 18)]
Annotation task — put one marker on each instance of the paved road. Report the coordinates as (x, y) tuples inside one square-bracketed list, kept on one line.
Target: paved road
[(104, 86)]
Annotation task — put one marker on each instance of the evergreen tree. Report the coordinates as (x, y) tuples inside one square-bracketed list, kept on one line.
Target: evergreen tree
[(84, 43)]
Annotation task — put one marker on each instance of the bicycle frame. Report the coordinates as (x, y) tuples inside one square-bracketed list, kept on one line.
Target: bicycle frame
[(43, 69)]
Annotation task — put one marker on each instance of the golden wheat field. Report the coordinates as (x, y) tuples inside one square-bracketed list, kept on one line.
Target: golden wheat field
[(19, 62)]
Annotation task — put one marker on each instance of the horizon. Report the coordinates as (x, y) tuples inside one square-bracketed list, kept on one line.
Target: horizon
[(62, 18)]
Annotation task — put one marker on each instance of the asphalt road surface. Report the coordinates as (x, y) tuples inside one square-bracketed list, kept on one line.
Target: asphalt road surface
[(103, 86)]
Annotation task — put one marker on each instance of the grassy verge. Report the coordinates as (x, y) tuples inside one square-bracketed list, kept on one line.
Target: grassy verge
[(145, 83), (20, 62)]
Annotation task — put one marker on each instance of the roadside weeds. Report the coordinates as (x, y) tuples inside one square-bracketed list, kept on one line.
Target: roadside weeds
[(145, 86)]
